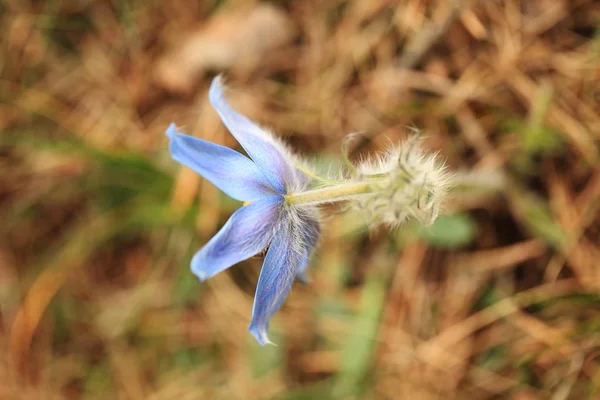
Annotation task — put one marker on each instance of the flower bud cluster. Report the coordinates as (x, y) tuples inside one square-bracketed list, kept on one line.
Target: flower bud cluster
[(404, 182), (407, 182)]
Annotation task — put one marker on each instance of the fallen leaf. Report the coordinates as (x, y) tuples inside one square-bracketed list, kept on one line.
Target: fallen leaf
[(239, 38)]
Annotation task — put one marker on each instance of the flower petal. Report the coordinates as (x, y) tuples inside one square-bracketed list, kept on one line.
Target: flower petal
[(232, 172), (246, 233), (288, 252), (274, 283), (269, 155)]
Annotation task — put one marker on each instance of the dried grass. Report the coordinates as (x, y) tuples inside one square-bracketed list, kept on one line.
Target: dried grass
[(98, 224)]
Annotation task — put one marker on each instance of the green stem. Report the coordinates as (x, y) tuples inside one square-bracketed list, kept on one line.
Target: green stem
[(331, 193)]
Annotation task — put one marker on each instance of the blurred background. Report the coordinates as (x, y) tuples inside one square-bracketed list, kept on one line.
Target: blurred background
[(498, 299)]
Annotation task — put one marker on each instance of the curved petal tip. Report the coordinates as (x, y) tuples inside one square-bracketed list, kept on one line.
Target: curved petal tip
[(171, 130), (260, 334), (200, 275)]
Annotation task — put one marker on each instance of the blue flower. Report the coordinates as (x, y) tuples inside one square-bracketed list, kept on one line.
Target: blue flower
[(262, 181)]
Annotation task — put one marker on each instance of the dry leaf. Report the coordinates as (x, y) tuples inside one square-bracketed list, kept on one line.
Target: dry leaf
[(239, 38)]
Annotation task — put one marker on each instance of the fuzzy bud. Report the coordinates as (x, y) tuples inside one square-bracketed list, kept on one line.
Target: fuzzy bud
[(407, 182)]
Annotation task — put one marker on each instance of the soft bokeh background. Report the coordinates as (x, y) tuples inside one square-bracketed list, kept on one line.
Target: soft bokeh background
[(499, 299)]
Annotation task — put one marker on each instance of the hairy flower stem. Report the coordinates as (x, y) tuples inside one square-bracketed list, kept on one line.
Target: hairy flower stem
[(331, 193)]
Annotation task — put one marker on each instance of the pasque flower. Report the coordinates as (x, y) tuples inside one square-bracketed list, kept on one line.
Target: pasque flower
[(280, 206), (267, 219)]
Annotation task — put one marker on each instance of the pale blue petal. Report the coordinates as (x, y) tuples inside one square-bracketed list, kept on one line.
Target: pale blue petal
[(232, 172), (288, 252), (258, 143), (246, 233), (274, 283)]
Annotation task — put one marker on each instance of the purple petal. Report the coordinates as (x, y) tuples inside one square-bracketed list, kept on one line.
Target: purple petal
[(288, 251), (246, 233), (232, 172), (274, 283), (269, 155)]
